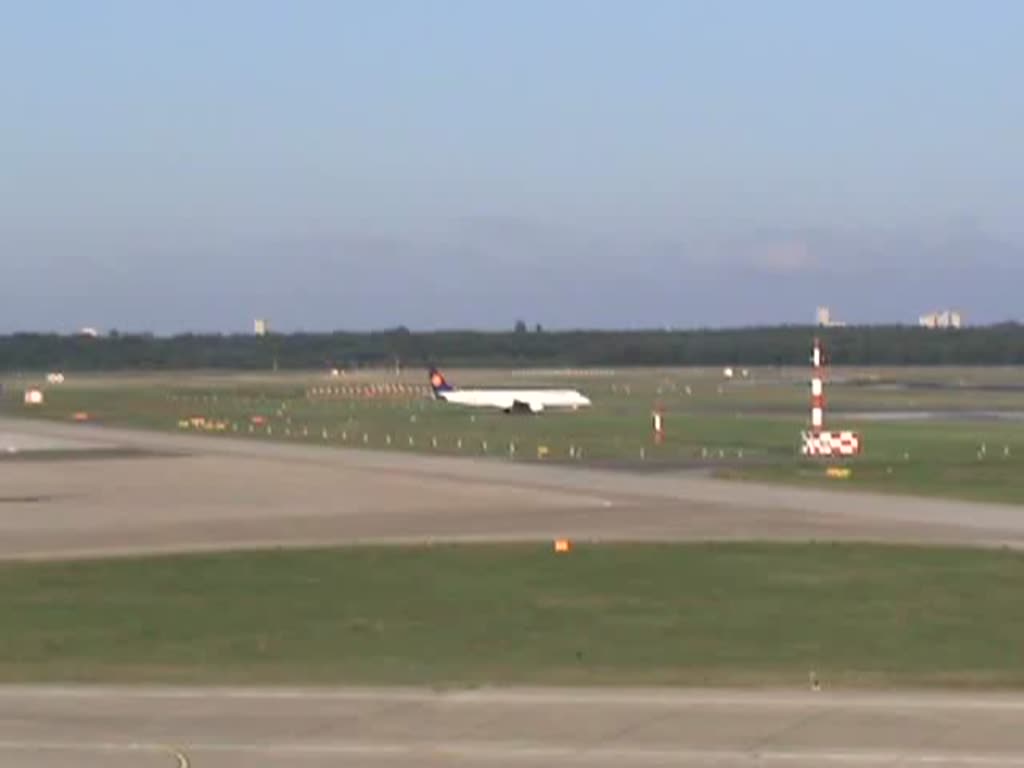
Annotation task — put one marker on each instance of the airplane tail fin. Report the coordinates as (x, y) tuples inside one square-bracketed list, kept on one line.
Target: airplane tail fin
[(438, 383)]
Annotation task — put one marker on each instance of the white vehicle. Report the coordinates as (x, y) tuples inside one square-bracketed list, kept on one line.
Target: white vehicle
[(508, 400)]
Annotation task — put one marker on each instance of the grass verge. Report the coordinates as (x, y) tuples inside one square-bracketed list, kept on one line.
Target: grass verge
[(701, 614), (749, 431)]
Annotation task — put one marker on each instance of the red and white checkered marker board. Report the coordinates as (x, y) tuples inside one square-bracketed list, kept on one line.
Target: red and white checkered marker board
[(830, 444)]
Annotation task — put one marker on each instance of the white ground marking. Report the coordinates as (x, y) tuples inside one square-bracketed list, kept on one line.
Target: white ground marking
[(96, 747), (940, 701), (516, 751)]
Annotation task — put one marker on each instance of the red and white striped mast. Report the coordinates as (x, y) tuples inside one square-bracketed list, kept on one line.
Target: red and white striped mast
[(817, 389), (818, 441)]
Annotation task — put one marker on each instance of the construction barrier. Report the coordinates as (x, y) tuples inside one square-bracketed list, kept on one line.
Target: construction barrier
[(830, 444), (369, 392)]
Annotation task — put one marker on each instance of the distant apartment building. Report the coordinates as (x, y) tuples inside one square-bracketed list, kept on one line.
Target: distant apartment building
[(823, 318), (259, 327), (946, 319)]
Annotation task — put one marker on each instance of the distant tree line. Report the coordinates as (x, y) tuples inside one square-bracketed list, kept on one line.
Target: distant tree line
[(773, 346)]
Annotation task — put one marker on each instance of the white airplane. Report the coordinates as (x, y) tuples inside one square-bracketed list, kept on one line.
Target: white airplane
[(508, 400)]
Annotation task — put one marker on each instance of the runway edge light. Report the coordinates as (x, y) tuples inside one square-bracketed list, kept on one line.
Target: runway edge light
[(563, 546)]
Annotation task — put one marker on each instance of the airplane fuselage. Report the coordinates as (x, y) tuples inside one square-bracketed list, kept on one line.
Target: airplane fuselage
[(534, 400)]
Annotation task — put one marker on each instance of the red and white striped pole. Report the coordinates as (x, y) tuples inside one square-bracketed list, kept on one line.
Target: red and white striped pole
[(818, 389), (658, 423)]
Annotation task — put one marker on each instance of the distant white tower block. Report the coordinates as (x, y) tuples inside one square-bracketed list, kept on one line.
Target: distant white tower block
[(823, 316), (945, 319), (260, 327)]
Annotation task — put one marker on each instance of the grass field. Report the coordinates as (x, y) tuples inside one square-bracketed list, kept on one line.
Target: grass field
[(748, 427), (707, 614)]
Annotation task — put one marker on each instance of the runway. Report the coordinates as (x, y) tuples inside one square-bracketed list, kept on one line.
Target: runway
[(158, 493), (201, 493), (253, 728)]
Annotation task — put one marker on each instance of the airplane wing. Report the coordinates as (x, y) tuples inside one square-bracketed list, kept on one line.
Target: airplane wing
[(534, 406)]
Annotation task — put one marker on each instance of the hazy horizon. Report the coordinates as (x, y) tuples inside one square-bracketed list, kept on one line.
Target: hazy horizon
[(176, 167)]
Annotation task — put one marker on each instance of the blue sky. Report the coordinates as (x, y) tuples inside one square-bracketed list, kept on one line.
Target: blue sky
[(190, 165)]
